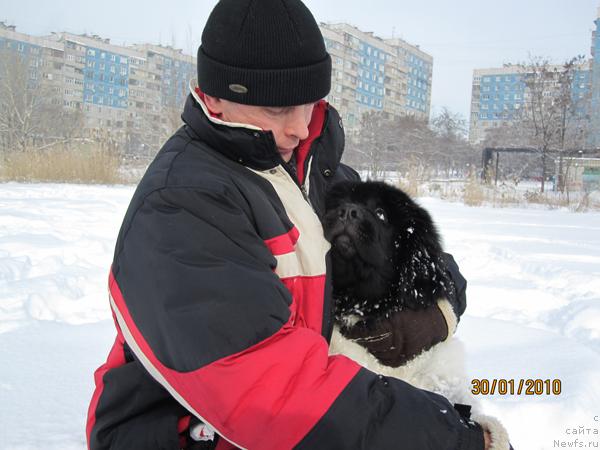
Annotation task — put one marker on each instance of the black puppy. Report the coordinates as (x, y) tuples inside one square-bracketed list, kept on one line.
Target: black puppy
[(388, 272), (386, 251)]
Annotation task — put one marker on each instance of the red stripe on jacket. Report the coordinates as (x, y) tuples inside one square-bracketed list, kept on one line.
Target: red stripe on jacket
[(116, 358), (268, 396), (282, 244), (308, 301)]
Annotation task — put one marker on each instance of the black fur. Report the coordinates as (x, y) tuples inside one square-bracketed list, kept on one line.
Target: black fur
[(386, 251)]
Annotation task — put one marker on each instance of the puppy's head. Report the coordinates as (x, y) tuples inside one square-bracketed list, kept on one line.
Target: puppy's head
[(383, 245)]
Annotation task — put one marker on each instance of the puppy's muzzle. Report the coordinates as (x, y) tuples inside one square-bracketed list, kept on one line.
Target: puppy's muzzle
[(349, 212)]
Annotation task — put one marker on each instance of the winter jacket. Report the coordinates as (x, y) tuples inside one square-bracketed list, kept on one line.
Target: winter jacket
[(220, 293)]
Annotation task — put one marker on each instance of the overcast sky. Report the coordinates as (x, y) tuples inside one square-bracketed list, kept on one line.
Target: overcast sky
[(461, 35)]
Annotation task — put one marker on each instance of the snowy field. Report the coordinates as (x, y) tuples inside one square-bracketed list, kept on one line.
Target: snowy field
[(533, 311)]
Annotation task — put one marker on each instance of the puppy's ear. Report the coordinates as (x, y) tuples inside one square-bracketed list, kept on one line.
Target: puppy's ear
[(413, 222)]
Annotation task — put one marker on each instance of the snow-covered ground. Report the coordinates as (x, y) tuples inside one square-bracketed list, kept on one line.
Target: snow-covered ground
[(534, 311)]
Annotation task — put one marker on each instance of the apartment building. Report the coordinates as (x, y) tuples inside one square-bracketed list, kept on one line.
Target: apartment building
[(500, 94), (45, 63), (594, 136), (417, 68), (127, 94), (375, 74), (133, 94)]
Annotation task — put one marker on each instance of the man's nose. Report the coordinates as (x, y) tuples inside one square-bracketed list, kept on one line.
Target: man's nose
[(296, 124)]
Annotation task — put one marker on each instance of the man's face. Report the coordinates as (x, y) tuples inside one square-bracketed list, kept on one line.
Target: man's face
[(288, 124)]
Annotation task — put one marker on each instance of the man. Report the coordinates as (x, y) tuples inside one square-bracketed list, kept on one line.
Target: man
[(219, 283)]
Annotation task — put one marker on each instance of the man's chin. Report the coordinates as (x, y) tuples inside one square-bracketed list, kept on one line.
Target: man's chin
[(286, 154)]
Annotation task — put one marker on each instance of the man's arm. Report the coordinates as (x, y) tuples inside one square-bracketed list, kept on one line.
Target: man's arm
[(194, 292)]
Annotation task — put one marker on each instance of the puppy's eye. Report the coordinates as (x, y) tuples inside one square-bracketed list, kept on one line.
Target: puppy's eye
[(380, 213)]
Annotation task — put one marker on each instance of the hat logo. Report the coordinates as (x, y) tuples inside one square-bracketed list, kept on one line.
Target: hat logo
[(238, 88)]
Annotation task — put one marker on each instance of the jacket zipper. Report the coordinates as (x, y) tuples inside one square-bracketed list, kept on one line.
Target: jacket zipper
[(304, 193)]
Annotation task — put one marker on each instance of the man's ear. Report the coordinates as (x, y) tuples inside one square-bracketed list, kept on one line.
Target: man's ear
[(214, 104)]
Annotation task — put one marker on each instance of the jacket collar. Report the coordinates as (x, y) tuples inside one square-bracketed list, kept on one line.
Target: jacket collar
[(254, 147)]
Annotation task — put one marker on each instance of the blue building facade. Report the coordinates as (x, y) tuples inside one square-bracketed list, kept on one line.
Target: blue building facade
[(175, 79), (594, 136), (371, 76), (31, 53), (418, 90), (106, 78), (582, 90), (501, 96)]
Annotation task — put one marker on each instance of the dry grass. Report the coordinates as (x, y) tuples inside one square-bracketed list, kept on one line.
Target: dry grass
[(84, 164), (473, 193), (411, 183)]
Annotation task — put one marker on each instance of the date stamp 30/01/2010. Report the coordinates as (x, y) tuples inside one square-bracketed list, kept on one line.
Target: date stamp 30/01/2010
[(501, 386)]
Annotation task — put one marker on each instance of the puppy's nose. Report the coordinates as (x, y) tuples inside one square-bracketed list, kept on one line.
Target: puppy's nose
[(348, 213)]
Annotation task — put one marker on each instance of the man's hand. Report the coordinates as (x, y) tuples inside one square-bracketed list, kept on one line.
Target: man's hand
[(396, 339)]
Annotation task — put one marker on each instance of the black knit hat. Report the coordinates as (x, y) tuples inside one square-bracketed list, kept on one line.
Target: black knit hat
[(263, 52)]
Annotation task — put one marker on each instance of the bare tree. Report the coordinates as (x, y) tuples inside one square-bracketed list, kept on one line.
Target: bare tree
[(407, 144), (452, 152), (555, 119), (31, 113), (19, 104)]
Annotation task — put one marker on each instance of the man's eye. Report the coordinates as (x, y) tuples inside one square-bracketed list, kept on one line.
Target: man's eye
[(380, 213)]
